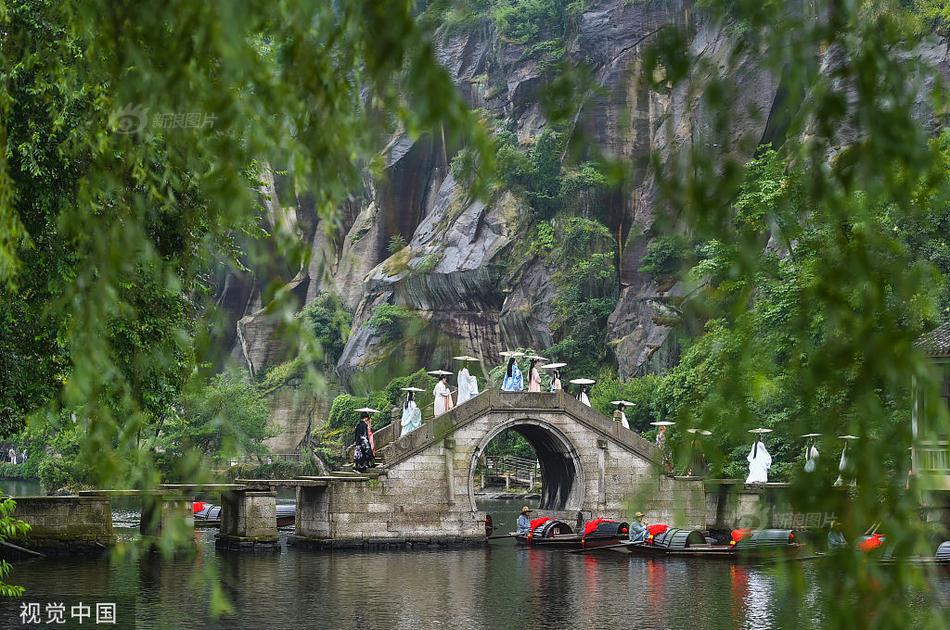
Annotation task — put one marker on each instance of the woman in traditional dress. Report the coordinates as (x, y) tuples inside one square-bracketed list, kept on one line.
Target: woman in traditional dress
[(464, 380), (556, 382), (472, 386), (582, 397), (842, 466), (811, 456), (411, 414), (443, 397), (364, 455), (759, 463), (514, 381), (534, 377), (620, 416)]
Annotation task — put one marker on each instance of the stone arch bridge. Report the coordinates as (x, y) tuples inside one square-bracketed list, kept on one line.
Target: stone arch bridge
[(424, 491)]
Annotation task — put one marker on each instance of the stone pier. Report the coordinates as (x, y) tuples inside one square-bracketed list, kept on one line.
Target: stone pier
[(162, 514), (66, 525), (248, 520)]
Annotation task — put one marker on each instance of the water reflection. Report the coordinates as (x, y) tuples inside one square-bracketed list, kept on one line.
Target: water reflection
[(499, 586)]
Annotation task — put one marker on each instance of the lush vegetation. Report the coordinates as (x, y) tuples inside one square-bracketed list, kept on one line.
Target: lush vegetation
[(114, 220), (812, 269)]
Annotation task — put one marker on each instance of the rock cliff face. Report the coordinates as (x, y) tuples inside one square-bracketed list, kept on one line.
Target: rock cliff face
[(466, 271)]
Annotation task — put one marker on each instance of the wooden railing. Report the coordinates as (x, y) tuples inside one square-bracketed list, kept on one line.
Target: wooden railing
[(934, 457), (511, 469)]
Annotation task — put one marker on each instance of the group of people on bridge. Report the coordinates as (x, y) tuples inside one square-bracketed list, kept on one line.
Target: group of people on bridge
[(759, 459)]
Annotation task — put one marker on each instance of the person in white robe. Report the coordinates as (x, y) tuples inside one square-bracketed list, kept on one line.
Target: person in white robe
[(556, 382), (584, 400), (443, 397), (759, 463), (534, 377), (472, 386), (621, 417), (464, 381), (411, 414), (842, 467), (811, 457)]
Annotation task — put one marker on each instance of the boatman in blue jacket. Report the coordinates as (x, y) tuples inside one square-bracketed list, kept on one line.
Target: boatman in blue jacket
[(638, 531), (524, 521)]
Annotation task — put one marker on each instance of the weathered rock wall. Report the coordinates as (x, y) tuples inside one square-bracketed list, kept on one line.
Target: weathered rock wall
[(466, 271)]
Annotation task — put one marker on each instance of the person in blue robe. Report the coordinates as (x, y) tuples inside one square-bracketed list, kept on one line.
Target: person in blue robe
[(514, 381)]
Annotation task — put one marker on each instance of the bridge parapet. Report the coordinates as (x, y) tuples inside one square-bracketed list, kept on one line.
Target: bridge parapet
[(495, 401)]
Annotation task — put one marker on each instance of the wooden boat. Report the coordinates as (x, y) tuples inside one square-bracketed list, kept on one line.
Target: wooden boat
[(940, 559), (762, 543), (555, 533), (209, 515)]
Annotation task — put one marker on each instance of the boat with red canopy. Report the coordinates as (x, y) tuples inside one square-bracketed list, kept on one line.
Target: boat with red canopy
[(209, 515), (744, 544), (548, 532)]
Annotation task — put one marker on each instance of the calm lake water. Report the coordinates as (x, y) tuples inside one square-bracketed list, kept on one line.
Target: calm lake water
[(500, 585)]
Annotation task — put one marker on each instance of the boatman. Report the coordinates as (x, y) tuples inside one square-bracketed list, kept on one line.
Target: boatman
[(524, 521), (836, 539), (638, 530)]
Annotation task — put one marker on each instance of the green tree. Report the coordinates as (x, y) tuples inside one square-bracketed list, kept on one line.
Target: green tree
[(224, 418), (330, 323)]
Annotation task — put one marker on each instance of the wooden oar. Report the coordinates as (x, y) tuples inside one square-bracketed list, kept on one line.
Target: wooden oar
[(586, 549), (511, 535), (21, 551)]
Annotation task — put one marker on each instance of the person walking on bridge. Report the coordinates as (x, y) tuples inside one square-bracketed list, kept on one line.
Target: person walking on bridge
[(443, 397), (411, 414), (534, 377), (556, 382), (513, 381), (364, 455)]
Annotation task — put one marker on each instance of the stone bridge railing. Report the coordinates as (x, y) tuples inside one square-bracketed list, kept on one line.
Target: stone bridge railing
[(492, 400)]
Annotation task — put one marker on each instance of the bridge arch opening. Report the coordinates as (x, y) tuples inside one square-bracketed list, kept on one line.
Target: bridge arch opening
[(562, 478)]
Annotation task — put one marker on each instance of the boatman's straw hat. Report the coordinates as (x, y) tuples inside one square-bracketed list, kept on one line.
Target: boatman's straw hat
[(525, 509), (639, 515)]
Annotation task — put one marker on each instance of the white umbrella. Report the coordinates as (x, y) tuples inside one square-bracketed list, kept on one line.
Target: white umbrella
[(534, 356), (760, 431), (848, 437), (412, 389), (662, 423), (439, 373), (625, 403), (582, 381), (465, 357), (367, 410), (699, 431), (552, 366), (511, 353), (811, 435)]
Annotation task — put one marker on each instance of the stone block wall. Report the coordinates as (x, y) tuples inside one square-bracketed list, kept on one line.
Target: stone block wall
[(427, 492), (731, 504), (68, 524), (249, 515)]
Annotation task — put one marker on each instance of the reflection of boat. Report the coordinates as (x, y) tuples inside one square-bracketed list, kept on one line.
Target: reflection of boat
[(209, 515), (749, 545), (554, 533)]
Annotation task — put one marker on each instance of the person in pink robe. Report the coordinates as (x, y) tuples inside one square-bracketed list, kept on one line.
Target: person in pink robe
[(534, 377)]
